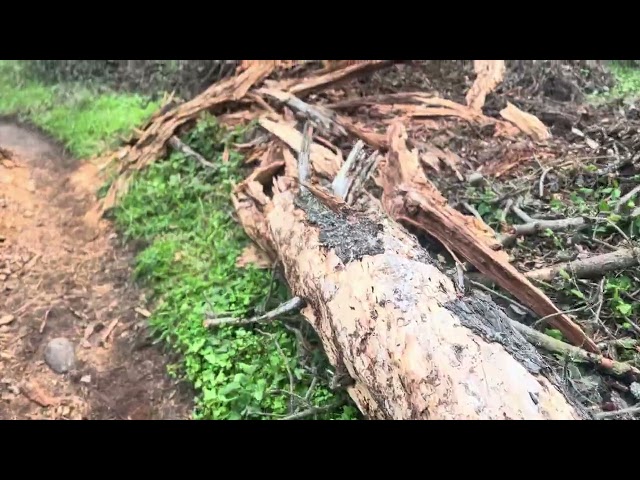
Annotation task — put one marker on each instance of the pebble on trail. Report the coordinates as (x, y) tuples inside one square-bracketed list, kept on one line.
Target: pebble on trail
[(60, 355)]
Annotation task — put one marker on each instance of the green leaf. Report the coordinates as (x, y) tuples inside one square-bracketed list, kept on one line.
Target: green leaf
[(552, 332), (614, 217), (577, 293), (563, 273), (624, 308)]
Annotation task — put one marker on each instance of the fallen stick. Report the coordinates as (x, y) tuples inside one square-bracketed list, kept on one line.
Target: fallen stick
[(389, 319), (408, 193), (618, 413), (589, 267), (554, 345), (179, 145), (536, 226), (294, 304)]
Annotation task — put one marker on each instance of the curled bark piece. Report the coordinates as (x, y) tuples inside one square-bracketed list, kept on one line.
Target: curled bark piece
[(407, 193), (390, 319)]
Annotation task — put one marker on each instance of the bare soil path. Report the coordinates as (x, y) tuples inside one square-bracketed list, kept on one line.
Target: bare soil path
[(61, 277)]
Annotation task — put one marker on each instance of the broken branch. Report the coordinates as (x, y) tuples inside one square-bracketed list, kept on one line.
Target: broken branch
[(294, 304), (589, 267)]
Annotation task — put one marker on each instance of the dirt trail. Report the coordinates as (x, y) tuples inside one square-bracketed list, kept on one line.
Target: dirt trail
[(60, 277)]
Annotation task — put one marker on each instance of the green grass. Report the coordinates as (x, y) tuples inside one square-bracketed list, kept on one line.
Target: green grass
[(184, 211), (627, 83), (88, 122)]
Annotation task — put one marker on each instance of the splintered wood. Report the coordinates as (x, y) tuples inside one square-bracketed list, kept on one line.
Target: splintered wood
[(489, 75), (152, 143)]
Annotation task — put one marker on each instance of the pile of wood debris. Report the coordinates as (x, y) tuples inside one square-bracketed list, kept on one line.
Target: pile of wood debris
[(339, 179)]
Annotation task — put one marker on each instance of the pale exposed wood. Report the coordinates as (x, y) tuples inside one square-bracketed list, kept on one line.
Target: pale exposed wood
[(407, 193), (393, 321), (324, 161), (489, 75), (529, 124)]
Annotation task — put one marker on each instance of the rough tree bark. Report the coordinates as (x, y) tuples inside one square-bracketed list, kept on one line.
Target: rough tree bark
[(388, 317)]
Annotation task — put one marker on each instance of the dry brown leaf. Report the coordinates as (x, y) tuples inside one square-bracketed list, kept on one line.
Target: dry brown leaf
[(489, 75), (253, 255), (527, 123)]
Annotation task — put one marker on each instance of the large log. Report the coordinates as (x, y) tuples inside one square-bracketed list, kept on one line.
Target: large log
[(388, 317)]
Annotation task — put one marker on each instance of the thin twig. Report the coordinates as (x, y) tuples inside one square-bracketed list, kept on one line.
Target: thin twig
[(555, 314), (626, 198), (290, 373), (179, 145), (304, 157), (296, 303), (542, 177), (599, 309), (472, 211), (500, 295)]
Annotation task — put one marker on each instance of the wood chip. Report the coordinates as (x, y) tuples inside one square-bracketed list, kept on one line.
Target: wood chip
[(36, 394), (7, 319), (104, 338), (527, 123), (143, 311)]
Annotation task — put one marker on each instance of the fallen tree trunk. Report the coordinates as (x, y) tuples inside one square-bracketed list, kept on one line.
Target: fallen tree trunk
[(388, 318)]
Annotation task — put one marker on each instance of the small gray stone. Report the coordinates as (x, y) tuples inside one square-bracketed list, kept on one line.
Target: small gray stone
[(60, 355)]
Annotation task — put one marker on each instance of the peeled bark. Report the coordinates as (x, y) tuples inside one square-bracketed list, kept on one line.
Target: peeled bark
[(390, 319)]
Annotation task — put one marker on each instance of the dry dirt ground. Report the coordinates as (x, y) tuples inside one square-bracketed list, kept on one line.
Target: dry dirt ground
[(61, 277)]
